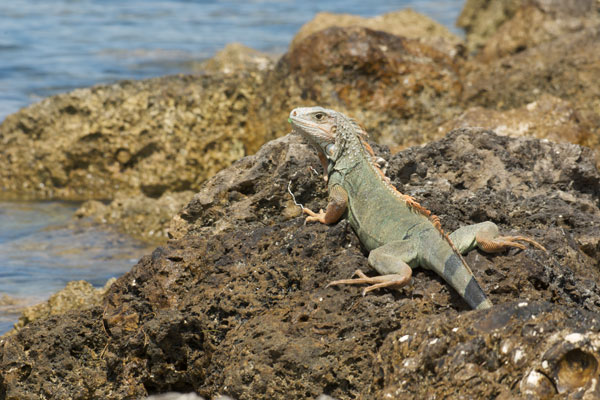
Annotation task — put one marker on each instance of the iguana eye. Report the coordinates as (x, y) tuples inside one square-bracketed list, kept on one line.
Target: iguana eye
[(319, 116)]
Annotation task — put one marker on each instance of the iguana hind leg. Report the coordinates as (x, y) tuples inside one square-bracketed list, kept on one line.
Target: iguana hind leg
[(391, 261), (486, 236)]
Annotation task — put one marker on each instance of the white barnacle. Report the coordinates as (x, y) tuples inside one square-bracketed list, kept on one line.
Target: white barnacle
[(518, 356), (534, 378), (574, 337)]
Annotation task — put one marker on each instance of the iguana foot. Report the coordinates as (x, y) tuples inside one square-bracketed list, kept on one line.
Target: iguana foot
[(338, 202), (486, 236), (313, 216), (377, 282), (500, 243)]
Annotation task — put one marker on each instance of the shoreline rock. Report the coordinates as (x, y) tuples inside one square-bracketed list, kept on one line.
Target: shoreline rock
[(165, 136), (405, 23), (128, 138), (236, 303), (76, 295)]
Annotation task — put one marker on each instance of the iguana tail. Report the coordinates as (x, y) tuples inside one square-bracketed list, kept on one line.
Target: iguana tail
[(463, 281), (450, 265)]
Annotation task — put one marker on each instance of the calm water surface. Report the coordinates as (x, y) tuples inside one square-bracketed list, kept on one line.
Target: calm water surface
[(42, 248), (53, 46)]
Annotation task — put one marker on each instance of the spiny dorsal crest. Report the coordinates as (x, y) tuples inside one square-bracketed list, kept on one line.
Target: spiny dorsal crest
[(358, 128), (410, 201)]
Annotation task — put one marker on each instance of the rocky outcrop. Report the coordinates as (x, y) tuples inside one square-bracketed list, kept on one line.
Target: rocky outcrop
[(535, 351), (508, 27), (400, 89), (548, 117), (481, 19), (140, 216), (146, 137), (406, 23), (566, 68), (236, 302), (161, 138), (499, 28), (236, 57), (148, 145)]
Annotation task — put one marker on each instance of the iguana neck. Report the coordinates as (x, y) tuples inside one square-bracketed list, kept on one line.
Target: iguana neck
[(352, 150)]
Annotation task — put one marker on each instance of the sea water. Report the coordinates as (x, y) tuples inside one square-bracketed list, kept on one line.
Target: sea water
[(42, 248)]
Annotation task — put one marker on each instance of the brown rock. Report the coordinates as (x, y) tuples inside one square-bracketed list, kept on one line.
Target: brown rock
[(398, 88), (145, 139), (77, 295), (148, 139), (142, 217), (548, 117), (566, 68), (480, 19), (447, 354), (130, 138), (237, 304), (503, 27), (235, 58), (539, 22), (406, 23)]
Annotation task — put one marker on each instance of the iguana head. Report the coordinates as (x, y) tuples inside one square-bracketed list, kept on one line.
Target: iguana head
[(317, 125)]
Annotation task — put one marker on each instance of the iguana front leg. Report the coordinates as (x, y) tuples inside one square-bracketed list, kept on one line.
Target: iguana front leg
[(391, 262), (338, 202), (486, 237)]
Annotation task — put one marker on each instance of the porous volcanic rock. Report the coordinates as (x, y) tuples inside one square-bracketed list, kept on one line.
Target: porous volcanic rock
[(541, 350), (236, 57), (76, 295), (170, 134), (140, 216), (131, 137), (480, 19), (236, 302), (548, 117), (163, 137)]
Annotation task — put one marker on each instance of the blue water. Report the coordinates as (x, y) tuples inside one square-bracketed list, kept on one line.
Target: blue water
[(42, 248), (53, 46)]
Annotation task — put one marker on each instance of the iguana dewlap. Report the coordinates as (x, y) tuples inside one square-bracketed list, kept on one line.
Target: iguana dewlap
[(398, 233)]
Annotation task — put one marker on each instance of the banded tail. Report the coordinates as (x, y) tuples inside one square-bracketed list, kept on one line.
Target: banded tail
[(460, 277)]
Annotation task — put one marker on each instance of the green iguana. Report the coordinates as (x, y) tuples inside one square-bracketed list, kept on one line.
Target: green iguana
[(397, 231)]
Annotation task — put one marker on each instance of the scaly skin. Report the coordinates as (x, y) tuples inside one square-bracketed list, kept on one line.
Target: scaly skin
[(398, 232), (320, 139)]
